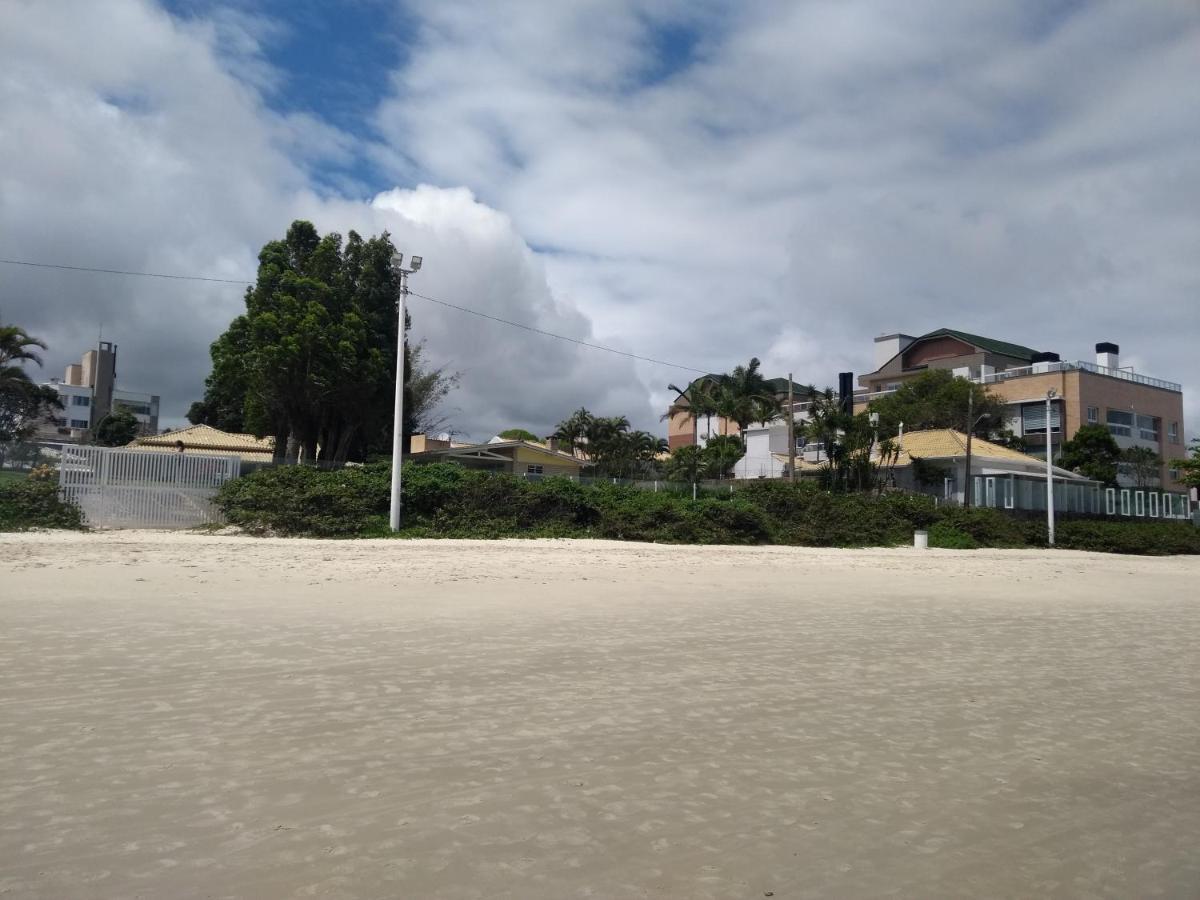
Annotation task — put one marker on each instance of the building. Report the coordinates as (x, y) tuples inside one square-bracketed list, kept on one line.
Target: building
[(511, 457), (209, 441), (89, 392), (1139, 411)]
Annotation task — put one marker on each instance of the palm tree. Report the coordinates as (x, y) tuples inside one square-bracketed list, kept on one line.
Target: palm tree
[(16, 348), (746, 397), (699, 399), (573, 430)]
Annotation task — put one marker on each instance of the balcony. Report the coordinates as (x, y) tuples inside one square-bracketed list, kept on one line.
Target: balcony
[(1043, 368)]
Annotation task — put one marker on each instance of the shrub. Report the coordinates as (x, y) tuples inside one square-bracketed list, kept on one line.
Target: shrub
[(950, 537), (35, 503), (301, 500), (1141, 538)]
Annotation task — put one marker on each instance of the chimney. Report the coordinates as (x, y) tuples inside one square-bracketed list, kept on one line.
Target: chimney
[(1042, 361), (552, 443), (888, 345), (1108, 355)]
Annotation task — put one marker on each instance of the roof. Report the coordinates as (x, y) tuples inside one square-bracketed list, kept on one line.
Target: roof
[(946, 443), (207, 439), (1017, 351)]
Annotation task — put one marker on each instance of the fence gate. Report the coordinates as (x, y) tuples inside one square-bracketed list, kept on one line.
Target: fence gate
[(119, 488)]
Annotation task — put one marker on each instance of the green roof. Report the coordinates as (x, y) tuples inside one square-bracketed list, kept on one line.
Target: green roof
[(1003, 348)]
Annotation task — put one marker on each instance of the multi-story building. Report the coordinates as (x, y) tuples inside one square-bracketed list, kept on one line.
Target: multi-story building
[(88, 393), (1138, 410), (684, 429)]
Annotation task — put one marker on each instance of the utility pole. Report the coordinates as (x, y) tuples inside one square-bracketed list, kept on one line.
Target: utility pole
[(398, 409), (791, 424), (970, 428), (1050, 395)]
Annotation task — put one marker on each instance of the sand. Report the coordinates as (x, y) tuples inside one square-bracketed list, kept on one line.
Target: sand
[(186, 716)]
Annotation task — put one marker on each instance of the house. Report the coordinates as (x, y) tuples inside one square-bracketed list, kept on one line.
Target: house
[(1139, 411), (512, 457), (209, 441)]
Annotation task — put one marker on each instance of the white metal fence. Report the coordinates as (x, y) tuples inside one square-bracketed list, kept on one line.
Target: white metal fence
[(119, 488)]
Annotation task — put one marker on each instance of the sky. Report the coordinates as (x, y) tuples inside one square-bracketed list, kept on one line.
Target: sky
[(693, 181)]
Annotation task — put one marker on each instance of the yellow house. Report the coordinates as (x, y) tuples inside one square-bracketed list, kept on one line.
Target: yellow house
[(511, 457)]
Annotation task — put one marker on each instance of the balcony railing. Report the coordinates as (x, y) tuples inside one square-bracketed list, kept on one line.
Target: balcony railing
[(1042, 368)]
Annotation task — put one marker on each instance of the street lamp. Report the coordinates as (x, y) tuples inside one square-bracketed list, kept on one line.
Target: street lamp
[(1050, 395), (398, 410)]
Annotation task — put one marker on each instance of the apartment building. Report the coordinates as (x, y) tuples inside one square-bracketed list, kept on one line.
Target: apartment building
[(1139, 411), (89, 392)]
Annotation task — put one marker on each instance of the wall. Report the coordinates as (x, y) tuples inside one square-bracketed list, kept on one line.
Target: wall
[(938, 348)]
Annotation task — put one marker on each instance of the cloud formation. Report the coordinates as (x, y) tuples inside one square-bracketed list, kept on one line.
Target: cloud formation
[(703, 183)]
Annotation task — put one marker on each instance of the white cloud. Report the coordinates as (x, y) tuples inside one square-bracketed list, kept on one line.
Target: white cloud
[(146, 151), (701, 184)]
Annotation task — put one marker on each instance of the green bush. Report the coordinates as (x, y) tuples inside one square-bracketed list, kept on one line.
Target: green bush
[(950, 537), (1140, 538), (298, 500), (35, 503), (446, 500)]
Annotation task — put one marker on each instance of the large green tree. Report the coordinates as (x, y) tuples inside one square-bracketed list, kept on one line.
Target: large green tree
[(1093, 453), (1189, 469), (939, 399), (312, 360)]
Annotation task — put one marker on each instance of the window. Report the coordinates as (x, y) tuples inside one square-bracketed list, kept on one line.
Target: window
[(1154, 506), (1093, 415), (534, 470), (1033, 418), (138, 409), (1006, 489), (977, 493), (990, 492), (1174, 473), (1139, 503), (78, 400), (1173, 432), (1120, 424), (1125, 502), (79, 423), (1148, 427)]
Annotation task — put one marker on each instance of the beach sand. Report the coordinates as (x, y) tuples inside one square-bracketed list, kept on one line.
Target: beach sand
[(186, 716)]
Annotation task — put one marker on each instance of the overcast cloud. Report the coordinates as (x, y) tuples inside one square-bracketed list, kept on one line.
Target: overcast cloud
[(701, 184)]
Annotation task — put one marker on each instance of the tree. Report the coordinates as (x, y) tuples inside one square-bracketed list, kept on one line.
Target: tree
[(744, 396), (1142, 464), (1093, 453), (723, 452), (688, 463), (1189, 469), (938, 399), (698, 399), (518, 434), (573, 430), (22, 403), (312, 361), (116, 429)]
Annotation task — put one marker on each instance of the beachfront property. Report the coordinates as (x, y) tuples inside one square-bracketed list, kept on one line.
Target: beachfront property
[(1139, 410), (524, 458), (88, 392)]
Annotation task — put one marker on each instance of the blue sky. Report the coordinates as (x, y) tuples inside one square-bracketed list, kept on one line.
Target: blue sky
[(694, 181)]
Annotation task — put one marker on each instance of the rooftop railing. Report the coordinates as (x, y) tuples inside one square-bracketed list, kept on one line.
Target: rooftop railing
[(1043, 368)]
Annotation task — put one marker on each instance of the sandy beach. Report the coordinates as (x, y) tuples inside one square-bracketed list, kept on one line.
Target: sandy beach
[(186, 716)]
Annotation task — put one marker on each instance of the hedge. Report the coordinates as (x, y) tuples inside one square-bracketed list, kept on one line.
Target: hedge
[(446, 500), (35, 503)]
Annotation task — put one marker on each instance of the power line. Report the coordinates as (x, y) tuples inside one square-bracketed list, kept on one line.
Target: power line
[(561, 337), (446, 303), (37, 265)]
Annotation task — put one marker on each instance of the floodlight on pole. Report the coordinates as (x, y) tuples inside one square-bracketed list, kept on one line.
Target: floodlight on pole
[(398, 408)]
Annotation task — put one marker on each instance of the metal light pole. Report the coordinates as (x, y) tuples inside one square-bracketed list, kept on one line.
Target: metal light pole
[(1050, 395), (791, 430), (398, 410)]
